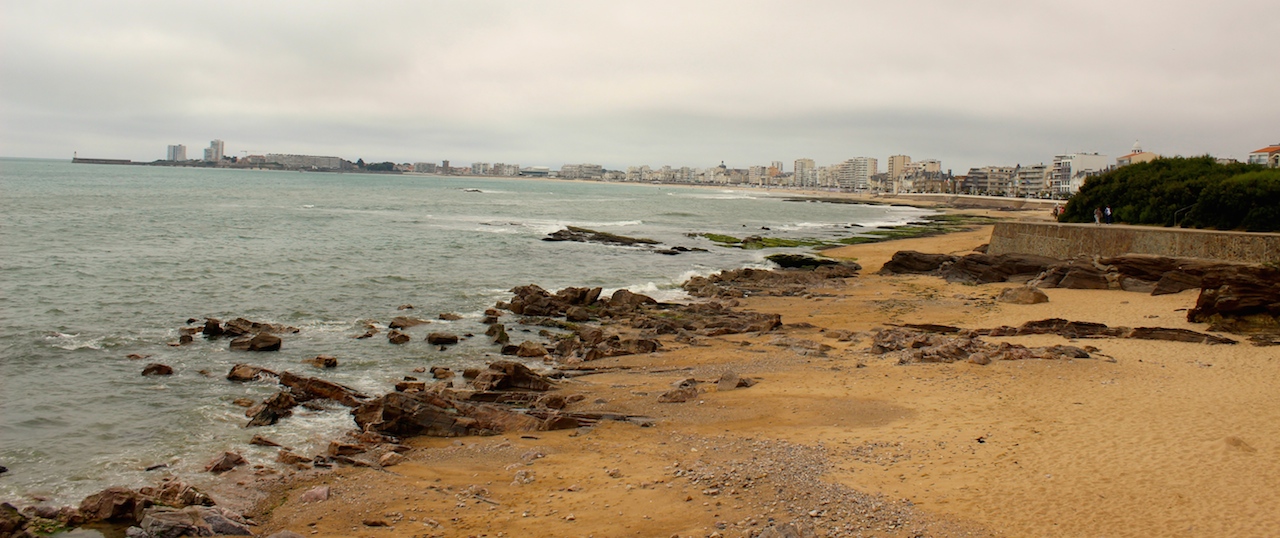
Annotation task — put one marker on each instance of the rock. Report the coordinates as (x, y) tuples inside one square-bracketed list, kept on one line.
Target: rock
[(583, 235), (166, 522), (409, 414), (793, 529), (322, 361), (258, 342), (185, 339), (442, 339), (508, 375), (679, 395), (212, 328), (156, 368), (800, 261), (405, 322), (114, 504), (1239, 299), (137, 356), (262, 441), (287, 457), (11, 520), (411, 386), (245, 372), (498, 332), (271, 410), (337, 448), (224, 462), (912, 262), (405, 307), (449, 316), (529, 349), (1175, 282), (243, 402), (1177, 335), (627, 300), (390, 459), (782, 283), (577, 314), (397, 337), (316, 494), (306, 388), (368, 333), (986, 268), (730, 380), (1022, 295), (440, 372)]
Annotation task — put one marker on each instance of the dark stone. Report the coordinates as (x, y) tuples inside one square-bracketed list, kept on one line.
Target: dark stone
[(225, 462), (529, 349), (258, 342), (449, 316), (442, 339), (271, 410), (397, 337), (583, 235), (912, 262), (156, 368), (577, 314), (212, 328), (1175, 282), (800, 261)]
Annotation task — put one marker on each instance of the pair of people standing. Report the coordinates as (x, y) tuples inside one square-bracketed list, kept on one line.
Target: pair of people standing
[(1102, 214)]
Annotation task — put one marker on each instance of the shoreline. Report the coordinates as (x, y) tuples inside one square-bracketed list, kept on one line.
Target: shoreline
[(885, 430), (883, 434)]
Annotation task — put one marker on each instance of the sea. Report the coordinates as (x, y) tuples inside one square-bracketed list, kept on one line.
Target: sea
[(98, 262)]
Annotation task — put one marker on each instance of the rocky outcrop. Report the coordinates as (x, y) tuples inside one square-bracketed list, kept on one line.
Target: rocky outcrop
[(800, 261), (910, 262), (1078, 329), (508, 375), (310, 388), (914, 346), (583, 235), (214, 328), (1239, 299), (426, 413), (245, 372), (166, 522), (397, 337), (322, 361), (225, 462), (756, 282), (271, 410)]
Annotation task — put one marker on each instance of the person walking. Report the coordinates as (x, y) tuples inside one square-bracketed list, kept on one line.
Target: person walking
[(1097, 215), (1106, 214)]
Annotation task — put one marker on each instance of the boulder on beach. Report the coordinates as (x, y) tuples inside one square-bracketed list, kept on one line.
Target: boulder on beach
[(114, 504), (224, 462), (397, 337), (1022, 295)]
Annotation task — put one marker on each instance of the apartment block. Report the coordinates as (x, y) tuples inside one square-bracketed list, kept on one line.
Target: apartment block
[(177, 152)]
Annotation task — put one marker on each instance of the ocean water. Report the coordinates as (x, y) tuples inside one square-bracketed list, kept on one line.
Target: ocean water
[(98, 262)]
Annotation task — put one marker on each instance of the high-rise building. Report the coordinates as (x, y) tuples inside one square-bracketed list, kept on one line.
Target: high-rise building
[(177, 152), (777, 165), (806, 173), (215, 151), (898, 166), (863, 169)]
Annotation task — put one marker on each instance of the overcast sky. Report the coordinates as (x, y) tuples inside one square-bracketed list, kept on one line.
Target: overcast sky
[(616, 83)]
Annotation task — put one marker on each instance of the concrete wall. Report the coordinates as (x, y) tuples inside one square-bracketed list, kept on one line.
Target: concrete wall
[(1069, 240), (974, 201)]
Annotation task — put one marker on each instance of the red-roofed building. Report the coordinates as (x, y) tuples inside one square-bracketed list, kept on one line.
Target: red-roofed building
[(1268, 156), (1136, 156)]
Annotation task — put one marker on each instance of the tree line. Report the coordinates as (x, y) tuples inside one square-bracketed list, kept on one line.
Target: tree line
[(1190, 192)]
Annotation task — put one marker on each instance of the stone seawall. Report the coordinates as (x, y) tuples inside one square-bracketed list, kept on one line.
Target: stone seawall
[(1063, 241)]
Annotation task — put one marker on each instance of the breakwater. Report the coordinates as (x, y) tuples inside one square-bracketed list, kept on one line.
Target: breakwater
[(1058, 240)]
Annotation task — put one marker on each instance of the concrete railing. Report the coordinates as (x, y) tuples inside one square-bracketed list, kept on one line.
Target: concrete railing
[(1063, 241)]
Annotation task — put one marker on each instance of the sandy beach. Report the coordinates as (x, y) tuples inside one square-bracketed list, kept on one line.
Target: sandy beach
[(1148, 438)]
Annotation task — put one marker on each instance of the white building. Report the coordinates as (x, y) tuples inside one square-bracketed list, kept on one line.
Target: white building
[(215, 151), (424, 168), (1070, 170), (806, 173), (1268, 156), (176, 152), (1031, 180)]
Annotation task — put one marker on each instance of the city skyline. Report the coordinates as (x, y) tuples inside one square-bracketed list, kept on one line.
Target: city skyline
[(566, 82)]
